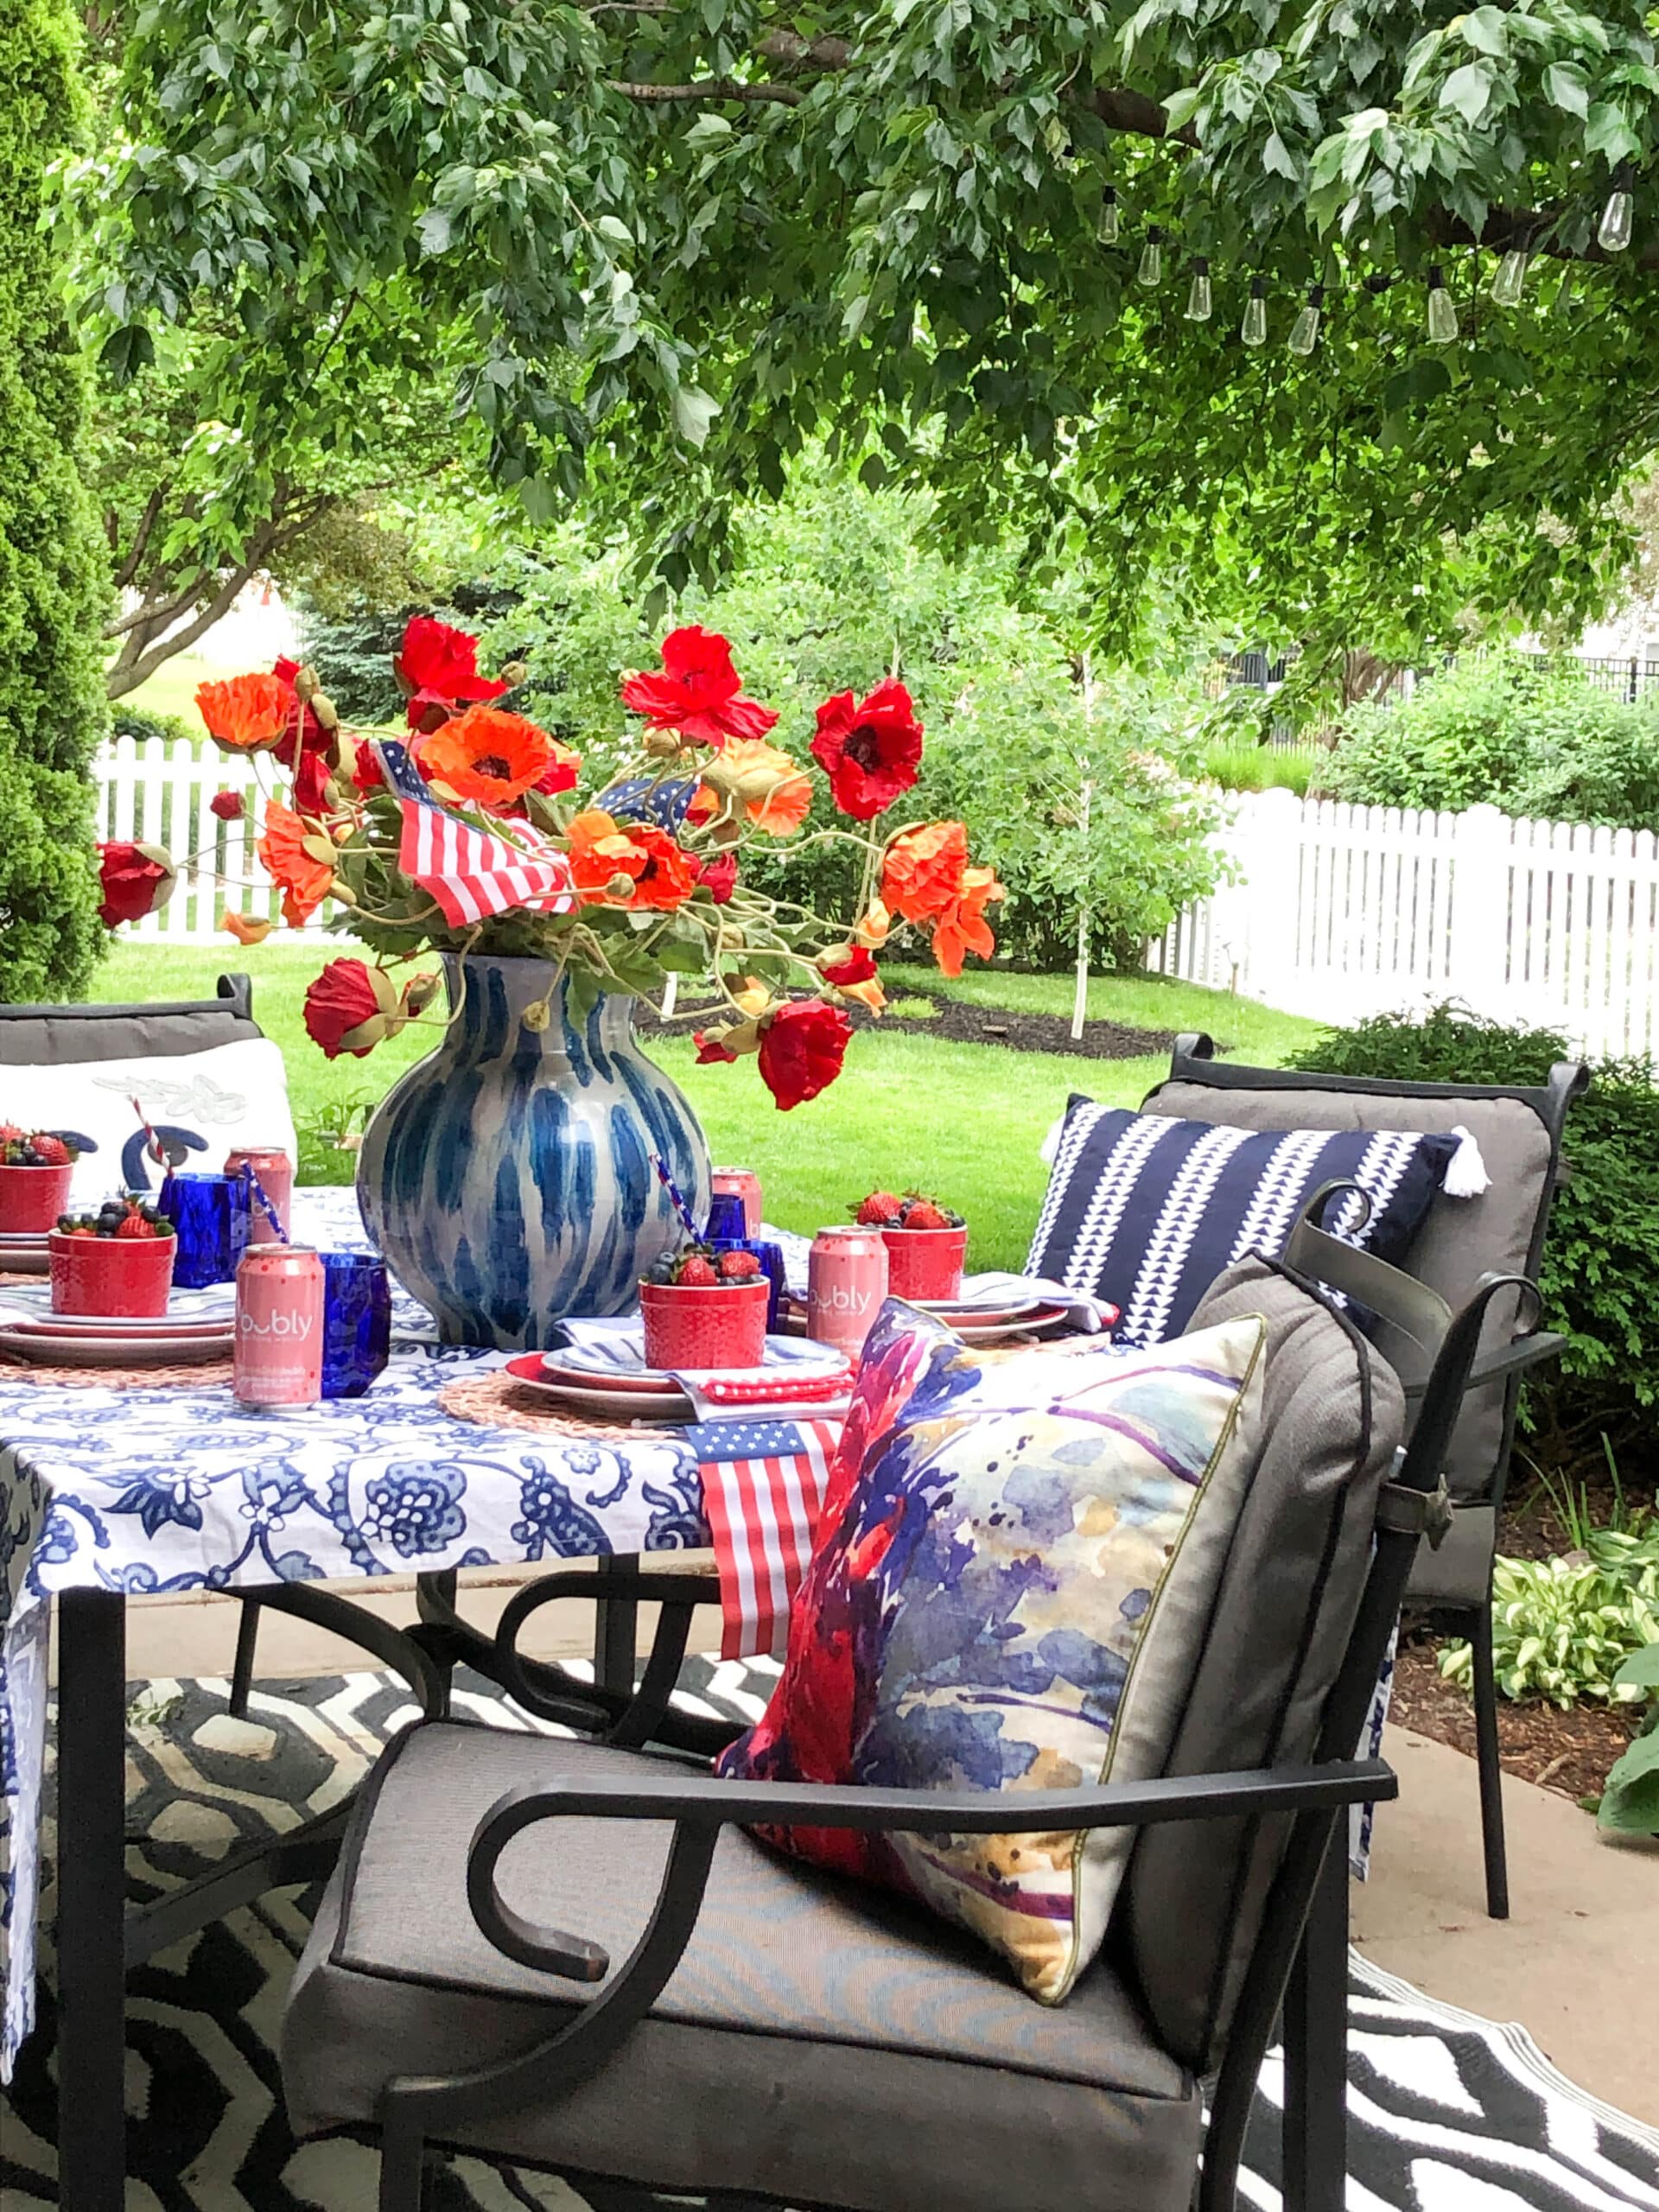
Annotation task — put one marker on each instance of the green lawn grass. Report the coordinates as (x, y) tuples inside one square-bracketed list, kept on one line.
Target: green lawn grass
[(964, 1121)]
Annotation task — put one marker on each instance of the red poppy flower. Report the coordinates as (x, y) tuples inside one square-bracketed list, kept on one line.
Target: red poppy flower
[(872, 751), (337, 1002), (366, 769), (438, 668), (719, 878), (563, 768), (802, 1047), (304, 746), (486, 755), (305, 880), (631, 864), (698, 692), (134, 879), (711, 1047), (962, 928), (229, 806), (856, 966)]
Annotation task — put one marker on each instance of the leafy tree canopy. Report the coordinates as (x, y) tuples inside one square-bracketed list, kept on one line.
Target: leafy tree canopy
[(675, 242)]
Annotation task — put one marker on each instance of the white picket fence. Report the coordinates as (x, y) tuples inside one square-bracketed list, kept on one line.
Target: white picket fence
[(1340, 912), (156, 791)]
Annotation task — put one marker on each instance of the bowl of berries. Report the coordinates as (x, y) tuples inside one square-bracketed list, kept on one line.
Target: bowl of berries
[(118, 1261), (704, 1309), (35, 1173), (926, 1243)]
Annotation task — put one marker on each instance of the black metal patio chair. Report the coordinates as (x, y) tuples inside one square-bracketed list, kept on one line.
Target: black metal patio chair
[(1519, 1132), (768, 2033)]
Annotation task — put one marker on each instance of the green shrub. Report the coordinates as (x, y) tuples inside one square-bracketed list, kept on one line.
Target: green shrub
[(139, 723), (1537, 738), (1597, 1276), (54, 569)]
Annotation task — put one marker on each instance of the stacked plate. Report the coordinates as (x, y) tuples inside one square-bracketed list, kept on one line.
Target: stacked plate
[(615, 1383), (199, 1325), (1020, 1314), (22, 1252)]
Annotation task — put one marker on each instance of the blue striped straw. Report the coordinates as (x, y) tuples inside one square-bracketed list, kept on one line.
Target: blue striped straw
[(258, 1190), (673, 1190)]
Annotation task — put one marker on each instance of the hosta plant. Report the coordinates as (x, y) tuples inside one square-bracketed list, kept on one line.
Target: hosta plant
[(1630, 1800), (1562, 1627)]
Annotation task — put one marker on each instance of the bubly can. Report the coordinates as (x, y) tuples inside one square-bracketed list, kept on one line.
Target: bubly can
[(274, 1173), (846, 1282), (742, 1183), (278, 1356)]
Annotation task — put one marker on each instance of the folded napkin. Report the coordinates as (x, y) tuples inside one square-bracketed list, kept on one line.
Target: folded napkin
[(996, 1291), (792, 1383)]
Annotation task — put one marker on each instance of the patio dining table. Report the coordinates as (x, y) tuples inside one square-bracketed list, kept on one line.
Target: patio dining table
[(109, 1493)]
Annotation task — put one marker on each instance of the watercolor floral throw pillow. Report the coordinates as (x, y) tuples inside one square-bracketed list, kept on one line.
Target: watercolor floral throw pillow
[(1014, 1567)]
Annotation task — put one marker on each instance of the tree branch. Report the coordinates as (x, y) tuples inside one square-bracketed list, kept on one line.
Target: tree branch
[(710, 88), (139, 659), (141, 535)]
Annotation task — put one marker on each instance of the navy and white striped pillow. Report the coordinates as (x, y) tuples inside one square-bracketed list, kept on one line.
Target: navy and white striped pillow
[(1146, 1211)]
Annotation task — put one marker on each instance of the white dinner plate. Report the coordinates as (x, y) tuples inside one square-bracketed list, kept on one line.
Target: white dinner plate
[(1044, 1322), (797, 1355), (214, 1306), (77, 1328), (613, 1404)]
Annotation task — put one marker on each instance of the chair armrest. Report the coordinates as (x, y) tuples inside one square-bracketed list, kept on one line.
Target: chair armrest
[(701, 1805), (641, 1716), (1505, 1360)]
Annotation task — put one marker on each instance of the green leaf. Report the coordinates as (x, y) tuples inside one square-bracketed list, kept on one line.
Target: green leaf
[(694, 411), (1277, 159), (1468, 90), (1607, 133), (1565, 85), (1642, 1667), (613, 227), (1486, 29), (126, 351), (709, 130), (1630, 1801), (434, 230)]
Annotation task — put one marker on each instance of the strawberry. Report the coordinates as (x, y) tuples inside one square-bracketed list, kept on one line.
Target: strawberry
[(739, 1267), (924, 1214), (52, 1151), (696, 1270), (878, 1211), (135, 1225), (8, 1131)]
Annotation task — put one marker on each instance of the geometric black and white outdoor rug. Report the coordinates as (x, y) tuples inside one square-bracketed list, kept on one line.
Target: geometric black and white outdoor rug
[(1447, 2113)]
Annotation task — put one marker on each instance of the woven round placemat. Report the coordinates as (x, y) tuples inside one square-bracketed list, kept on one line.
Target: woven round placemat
[(204, 1374), (495, 1400)]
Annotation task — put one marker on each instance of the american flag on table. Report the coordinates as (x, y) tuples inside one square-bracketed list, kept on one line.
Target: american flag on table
[(471, 873), (762, 1486)]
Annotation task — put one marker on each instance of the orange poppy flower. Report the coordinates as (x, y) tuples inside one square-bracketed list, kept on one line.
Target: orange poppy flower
[(246, 713), (962, 927), (627, 865), (922, 873), (246, 929), (305, 881), (774, 791), (486, 755)]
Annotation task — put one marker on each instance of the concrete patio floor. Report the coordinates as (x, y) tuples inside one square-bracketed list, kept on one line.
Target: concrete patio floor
[(1577, 1964)]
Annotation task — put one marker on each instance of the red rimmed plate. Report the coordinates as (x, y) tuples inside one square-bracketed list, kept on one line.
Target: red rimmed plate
[(593, 1396)]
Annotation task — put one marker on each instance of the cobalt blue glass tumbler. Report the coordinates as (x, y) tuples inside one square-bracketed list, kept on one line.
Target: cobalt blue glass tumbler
[(771, 1256), (212, 1217), (727, 1219), (356, 1322)]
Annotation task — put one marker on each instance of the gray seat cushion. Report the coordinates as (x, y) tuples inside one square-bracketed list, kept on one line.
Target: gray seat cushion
[(819, 2043), (60, 1036), (1462, 1239), (1333, 1415)]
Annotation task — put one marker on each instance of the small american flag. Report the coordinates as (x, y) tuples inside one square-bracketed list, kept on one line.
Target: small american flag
[(470, 874), (762, 1486)]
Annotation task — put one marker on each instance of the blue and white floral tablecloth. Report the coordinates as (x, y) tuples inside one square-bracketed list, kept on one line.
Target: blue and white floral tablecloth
[(181, 1489)]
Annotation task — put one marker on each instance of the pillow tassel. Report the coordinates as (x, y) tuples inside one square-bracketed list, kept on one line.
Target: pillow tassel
[(1467, 1177)]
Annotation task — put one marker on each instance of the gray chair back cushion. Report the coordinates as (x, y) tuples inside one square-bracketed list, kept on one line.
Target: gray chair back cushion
[(1332, 1417), (60, 1036), (1462, 1238)]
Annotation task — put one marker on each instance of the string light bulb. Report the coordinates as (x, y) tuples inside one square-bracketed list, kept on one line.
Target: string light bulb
[(1511, 281), (1200, 303), (1613, 235), (1151, 270), (1305, 331), (1254, 329), (1441, 321), (1106, 225)]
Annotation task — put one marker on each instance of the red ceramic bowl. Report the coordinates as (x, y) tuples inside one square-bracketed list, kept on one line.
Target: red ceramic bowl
[(129, 1276), (924, 1262), (693, 1325), (31, 1198)]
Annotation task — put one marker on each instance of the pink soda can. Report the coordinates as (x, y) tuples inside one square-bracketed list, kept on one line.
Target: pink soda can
[(743, 1182), (278, 1356), (273, 1171), (846, 1282)]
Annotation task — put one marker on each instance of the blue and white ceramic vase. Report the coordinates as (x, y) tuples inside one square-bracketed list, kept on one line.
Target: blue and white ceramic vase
[(508, 1178)]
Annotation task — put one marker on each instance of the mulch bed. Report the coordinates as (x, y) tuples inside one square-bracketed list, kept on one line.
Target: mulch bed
[(1568, 1751), (959, 1023)]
